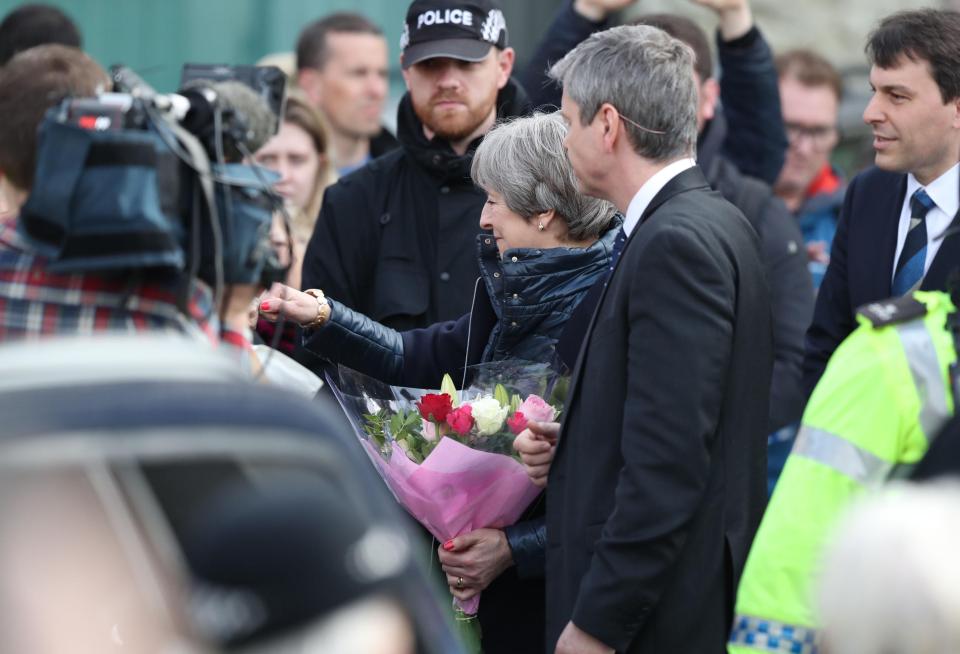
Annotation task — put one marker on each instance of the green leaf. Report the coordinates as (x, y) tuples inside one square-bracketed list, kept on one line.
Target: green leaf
[(500, 395)]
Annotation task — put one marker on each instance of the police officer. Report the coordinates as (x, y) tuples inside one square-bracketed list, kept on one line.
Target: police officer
[(884, 396)]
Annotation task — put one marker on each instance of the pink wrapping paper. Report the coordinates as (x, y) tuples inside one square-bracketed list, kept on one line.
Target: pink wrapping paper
[(457, 490)]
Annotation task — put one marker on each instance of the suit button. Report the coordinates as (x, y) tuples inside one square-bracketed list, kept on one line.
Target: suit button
[(487, 241), (513, 259), (516, 297), (444, 189), (513, 324), (437, 159), (444, 276), (497, 275)]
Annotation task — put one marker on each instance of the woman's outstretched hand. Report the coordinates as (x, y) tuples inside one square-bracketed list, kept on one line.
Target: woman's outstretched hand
[(292, 304)]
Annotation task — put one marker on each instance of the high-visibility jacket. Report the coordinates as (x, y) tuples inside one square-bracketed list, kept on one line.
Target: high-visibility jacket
[(883, 396)]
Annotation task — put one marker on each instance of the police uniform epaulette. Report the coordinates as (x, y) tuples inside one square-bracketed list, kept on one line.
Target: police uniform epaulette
[(893, 310)]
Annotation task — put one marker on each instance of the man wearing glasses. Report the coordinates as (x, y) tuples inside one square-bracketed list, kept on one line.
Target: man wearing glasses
[(810, 92)]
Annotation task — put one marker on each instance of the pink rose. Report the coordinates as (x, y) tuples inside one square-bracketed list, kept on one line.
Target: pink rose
[(517, 423), (429, 431), (461, 419), (534, 408)]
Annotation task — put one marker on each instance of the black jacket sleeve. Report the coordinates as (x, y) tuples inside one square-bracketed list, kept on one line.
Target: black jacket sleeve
[(416, 357), (833, 318), (791, 302), (749, 89), (566, 31), (528, 544), (356, 341)]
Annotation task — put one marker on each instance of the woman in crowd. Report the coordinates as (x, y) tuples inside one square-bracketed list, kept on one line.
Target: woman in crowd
[(546, 245), (298, 152)]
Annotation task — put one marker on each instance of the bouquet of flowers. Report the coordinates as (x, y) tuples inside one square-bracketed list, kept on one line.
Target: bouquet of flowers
[(447, 455)]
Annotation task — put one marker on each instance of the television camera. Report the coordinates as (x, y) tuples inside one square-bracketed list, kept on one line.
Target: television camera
[(134, 180)]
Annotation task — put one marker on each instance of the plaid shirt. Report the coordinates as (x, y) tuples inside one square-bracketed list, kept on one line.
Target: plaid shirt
[(35, 302)]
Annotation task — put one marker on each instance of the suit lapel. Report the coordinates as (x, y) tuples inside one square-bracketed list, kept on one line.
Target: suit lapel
[(690, 179), (946, 261)]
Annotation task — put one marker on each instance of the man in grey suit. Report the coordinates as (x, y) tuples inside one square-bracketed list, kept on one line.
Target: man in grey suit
[(657, 483)]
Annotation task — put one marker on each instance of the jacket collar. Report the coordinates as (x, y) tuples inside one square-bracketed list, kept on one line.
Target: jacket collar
[(689, 179), (551, 272), (436, 155)]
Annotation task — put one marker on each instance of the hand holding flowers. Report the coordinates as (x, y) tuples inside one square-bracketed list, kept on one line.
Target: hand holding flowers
[(448, 458), (536, 445), (473, 560)]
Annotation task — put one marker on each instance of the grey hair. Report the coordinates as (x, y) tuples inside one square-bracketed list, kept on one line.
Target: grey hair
[(647, 76), (889, 581), (524, 161)]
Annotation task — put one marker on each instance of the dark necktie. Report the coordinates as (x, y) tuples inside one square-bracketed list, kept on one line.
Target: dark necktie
[(909, 271), (616, 250)]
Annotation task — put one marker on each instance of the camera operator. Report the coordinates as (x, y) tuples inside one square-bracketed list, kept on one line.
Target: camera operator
[(37, 302)]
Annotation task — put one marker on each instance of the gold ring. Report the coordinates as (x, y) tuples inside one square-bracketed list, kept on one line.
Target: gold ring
[(459, 583)]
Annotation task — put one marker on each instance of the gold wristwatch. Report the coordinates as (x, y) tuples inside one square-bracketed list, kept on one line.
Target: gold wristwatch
[(323, 309)]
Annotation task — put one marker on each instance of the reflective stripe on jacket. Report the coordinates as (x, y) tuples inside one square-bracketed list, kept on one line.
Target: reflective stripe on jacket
[(884, 395)]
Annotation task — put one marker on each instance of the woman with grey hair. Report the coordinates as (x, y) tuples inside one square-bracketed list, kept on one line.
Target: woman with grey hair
[(545, 246)]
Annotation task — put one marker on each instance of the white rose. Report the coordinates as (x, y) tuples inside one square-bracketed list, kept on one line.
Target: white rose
[(488, 414)]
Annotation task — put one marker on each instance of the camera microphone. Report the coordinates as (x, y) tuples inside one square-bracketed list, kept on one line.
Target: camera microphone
[(247, 119)]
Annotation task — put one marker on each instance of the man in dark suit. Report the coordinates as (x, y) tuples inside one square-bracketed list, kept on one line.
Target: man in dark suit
[(887, 239), (658, 478)]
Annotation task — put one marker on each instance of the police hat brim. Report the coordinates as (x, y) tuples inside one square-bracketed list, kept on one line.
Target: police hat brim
[(462, 49)]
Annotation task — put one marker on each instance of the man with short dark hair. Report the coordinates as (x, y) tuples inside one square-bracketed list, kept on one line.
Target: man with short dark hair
[(342, 68), (31, 25), (888, 240), (810, 92)]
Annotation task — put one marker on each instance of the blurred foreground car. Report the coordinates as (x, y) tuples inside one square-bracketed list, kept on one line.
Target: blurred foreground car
[(151, 501)]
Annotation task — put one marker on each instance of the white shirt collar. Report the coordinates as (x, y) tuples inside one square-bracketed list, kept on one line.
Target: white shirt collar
[(649, 190), (944, 191)]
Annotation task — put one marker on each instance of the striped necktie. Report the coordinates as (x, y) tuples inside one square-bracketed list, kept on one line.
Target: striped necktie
[(909, 271)]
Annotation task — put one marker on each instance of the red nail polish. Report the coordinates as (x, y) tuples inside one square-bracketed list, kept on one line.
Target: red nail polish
[(448, 545), (264, 306)]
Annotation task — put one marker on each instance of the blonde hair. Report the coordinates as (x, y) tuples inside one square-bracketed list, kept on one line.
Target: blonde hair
[(304, 115)]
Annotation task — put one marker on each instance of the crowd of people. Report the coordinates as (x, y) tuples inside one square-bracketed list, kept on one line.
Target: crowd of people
[(756, 341)]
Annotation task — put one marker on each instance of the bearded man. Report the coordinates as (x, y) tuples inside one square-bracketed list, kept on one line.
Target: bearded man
[(396, 239)]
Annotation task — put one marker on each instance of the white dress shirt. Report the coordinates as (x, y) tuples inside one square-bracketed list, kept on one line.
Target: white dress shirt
[(649, 190), (945, 192)]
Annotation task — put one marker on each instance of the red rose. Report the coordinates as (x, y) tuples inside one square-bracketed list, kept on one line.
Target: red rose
[(461, 420), (517, 423), (435, 406)]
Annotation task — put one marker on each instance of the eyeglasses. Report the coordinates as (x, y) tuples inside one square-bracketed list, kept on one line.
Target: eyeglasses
[(638, 126), (819, 136)]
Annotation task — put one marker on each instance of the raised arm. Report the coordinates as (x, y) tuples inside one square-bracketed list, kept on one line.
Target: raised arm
[(572, 24), (756, 140)]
